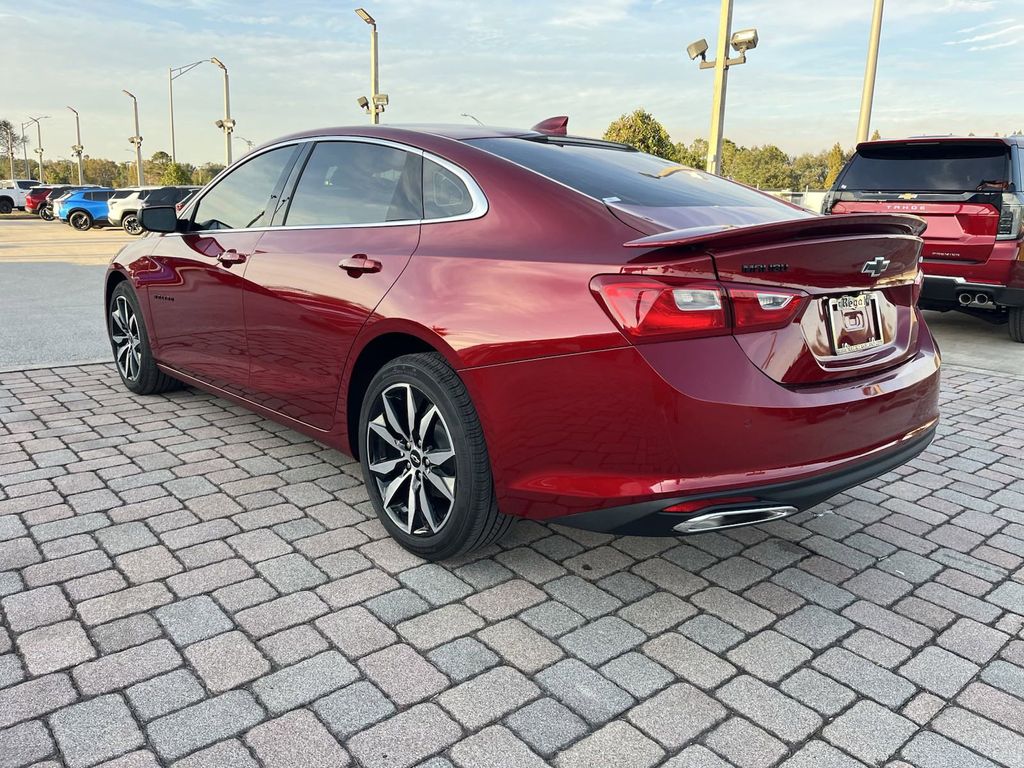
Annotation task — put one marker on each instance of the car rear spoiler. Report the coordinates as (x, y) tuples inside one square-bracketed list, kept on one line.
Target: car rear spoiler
[(726, 236)]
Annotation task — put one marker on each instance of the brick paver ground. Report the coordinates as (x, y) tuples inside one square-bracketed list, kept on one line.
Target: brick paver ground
[(183, 583)]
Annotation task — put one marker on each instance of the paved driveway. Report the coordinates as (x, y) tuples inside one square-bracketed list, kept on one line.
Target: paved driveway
[(186, 584)]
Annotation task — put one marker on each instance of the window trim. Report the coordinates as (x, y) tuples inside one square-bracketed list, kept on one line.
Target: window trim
[(479, 208)]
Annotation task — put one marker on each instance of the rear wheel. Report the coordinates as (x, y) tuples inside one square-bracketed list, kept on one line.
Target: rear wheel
[(46, 213), (80, 220), (130, 224), (130, 343), (424, 460), (1017, 323), (6, 206)]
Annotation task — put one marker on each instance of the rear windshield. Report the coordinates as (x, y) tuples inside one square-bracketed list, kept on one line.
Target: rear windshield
[(940, 167), (625, 177)]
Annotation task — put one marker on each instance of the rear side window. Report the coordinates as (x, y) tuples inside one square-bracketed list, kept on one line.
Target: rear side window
[(349, 182), (242, 198), (938, 167), (626, 177), (27, 184), (444, 193)]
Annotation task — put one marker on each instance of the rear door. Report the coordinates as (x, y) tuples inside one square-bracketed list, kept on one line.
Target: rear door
[(345, 235), (957, 187)]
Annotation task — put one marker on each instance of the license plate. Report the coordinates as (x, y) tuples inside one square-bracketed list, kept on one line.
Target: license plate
[(855, 323)]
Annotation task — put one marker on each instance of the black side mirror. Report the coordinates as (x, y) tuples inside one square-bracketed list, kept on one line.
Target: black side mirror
[(159, 218)]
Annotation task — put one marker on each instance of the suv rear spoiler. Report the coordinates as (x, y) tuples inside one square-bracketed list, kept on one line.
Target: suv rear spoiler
[(726, 236)]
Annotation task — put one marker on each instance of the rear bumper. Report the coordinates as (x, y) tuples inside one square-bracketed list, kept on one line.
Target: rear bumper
[(648, 519), (941, 292), (688, 420)]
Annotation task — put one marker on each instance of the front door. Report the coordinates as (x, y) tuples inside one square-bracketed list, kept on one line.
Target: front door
[(195, 288), (346, 234)]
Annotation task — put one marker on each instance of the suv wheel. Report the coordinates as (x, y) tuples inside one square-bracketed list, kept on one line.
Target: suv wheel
[(424, 460), (130, 224), (1017, 323), (6, 206), (46, 213), (80, 220)]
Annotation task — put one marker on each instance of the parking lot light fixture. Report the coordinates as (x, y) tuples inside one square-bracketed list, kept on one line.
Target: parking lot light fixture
[(39, 144), (377, 101), (742, 41), (137, 138), (77, 149), (227, 124), (173, 73)]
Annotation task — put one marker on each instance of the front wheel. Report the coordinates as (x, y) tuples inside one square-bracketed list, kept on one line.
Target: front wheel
[(424, 460), (46, 213), (130, 224), (6, 206), (1017, 324), (130, 343), (80, 220)]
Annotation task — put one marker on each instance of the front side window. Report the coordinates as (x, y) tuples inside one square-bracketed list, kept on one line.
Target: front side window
[(444, 193), (242, 198), (349, 182)]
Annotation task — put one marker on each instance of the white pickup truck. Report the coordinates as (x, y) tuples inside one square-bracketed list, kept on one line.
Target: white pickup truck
[(12, 193)]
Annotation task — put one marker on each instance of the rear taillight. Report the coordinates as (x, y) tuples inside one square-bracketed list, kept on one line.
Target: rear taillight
[(646, 309), (1011, 217), (649, 309)]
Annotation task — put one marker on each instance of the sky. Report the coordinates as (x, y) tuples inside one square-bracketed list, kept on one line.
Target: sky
[(945, 66)]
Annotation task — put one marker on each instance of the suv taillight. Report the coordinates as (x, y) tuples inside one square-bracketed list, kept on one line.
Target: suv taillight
[(650, 309), (1011, 217)]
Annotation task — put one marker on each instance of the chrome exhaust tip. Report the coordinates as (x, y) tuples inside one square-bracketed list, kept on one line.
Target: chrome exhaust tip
[(981, 299), (732, 518), (965, 299)]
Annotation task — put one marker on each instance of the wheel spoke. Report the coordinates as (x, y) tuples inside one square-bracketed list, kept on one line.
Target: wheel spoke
[(438, 457), (427, 509), (425, 422), (386, 466), (382, 431), (392, 419), (411, 506), (393, 486), (440, 482), (410, 411)]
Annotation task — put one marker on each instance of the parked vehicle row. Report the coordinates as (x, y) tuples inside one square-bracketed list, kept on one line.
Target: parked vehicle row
[(86, 207)]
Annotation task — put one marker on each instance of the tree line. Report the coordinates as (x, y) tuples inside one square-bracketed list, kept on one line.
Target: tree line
[(764, 166), (158, 169)]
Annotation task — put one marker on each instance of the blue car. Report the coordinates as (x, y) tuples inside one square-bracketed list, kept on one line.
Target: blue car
[(85, 208)]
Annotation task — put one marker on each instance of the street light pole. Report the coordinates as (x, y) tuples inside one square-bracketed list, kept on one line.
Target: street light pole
[(867, 95), (173, 73), (10, 147), (377, 101), (721, 80), (77, 148), (227, 124), (137, 138), (24, 148), (39, 145)]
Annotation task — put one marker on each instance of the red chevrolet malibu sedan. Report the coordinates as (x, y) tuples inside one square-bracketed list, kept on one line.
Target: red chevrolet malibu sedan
[(521, 323)]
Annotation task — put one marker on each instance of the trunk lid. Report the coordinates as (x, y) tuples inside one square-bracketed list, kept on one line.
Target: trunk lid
[(855, 280)]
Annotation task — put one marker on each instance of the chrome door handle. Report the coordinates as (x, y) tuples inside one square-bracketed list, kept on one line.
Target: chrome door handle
[(358, 264), (231, 256)]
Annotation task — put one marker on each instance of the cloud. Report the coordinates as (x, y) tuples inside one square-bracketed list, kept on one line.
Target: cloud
[(594, 14), (968, 30), (1005, 44), (1012, 29)]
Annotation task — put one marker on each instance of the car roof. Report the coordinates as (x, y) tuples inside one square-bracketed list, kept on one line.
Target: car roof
[(944, 139), (456, 131)]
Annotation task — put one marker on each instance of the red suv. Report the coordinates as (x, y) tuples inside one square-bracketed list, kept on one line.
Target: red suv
[(526, 324), (971, 193)]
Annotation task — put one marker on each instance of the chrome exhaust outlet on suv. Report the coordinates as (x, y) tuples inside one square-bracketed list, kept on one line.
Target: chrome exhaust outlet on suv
[(981, 299), (732, 518), (965, 299)]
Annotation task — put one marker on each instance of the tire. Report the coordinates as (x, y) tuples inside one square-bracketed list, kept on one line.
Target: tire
[(46, 213), (132, 354), (80, 220), (1017, 324), (6, 205), (444, 415), (130, 224)]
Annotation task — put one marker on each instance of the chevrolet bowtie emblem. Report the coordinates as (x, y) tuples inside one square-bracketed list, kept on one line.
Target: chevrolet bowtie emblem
[(876, 266)]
